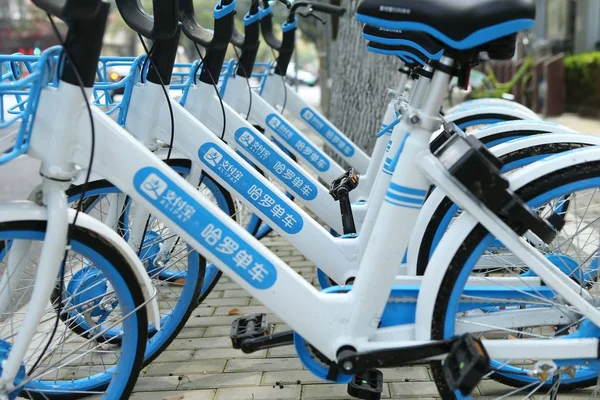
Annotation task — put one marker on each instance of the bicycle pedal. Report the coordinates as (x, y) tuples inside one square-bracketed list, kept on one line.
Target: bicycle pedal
[(343, 185), (367, 385), (248, 327), (466, 363)]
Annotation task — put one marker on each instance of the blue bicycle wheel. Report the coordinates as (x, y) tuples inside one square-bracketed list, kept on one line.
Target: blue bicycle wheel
[(447, 210), (577, 242), (58, 364), (181, 275)]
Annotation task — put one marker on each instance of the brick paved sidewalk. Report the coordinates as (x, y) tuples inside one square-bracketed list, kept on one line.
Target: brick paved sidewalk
[(201, 365)]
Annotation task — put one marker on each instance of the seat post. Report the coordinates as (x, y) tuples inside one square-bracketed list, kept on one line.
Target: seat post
[(420, 90), (437, 89)]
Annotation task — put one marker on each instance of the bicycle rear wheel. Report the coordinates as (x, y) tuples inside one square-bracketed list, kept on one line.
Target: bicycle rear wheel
[(575, 251)]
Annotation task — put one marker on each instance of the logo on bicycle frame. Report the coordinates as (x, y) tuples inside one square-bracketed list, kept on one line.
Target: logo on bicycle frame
[(153, 186), (213, 157), (206, 227)]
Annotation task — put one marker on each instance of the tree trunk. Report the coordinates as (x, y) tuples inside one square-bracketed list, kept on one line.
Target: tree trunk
[(359, 82), (322, 44)]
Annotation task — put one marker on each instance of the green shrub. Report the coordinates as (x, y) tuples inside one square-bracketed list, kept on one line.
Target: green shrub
[(582, 79)]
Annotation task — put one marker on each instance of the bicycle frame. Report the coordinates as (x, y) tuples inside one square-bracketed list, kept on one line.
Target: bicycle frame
[(351, 318), (148, 120), (262, 109)]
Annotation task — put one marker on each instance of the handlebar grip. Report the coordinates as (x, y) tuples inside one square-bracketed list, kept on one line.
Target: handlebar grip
[(160, 26), (70, 9), (328, 8)]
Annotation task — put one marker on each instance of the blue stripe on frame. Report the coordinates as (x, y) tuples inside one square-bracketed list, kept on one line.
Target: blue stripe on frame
[(401, 204), (397, 197), (394, 162), (407, 190)]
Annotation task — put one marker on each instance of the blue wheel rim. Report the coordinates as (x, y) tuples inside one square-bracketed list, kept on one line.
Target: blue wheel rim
[(116, 377), (512, 372)]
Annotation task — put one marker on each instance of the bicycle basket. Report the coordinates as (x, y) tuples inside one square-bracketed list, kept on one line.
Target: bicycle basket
[(23, 78), (116, 77)]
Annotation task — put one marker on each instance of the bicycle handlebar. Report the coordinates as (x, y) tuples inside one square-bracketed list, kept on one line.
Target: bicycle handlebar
[(70, 9), (250, 36), (221, 35), (287, 44), (163, 23), (248, 42)]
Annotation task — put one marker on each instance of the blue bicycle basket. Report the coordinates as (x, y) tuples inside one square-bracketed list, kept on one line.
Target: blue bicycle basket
[(23, 78)]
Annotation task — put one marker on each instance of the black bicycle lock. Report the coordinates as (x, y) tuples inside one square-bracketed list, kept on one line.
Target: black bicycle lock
[(162, 29), (215, 42), (287, 44), (86, 20)]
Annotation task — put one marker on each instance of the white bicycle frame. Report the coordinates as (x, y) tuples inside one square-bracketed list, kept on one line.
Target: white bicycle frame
[(435, 198), (148, 121), (277, 93), (351, 318), (148, 125)]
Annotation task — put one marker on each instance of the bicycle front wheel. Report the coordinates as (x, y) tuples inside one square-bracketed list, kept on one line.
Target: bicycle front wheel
[(179, 272), (59, 363)]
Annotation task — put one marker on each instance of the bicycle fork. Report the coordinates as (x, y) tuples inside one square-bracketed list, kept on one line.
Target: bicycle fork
[(51, 259)]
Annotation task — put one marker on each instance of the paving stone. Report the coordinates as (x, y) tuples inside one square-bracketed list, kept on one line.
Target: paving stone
[(282, 253), (185, 368), (226, 286), (191, 333), (291, 258), (281, 327), (212, 331), (255, 302), (175, 395), (305, 270), (226, 353), (263, 364), (203, 311), (416, 373), (200, 343), (235, 293), (259, 393), (302, 263), (413, 389), (241, 311), (146, 384), (211, 321), (214, 381), (215, 294), (174, 356), (489, 387), (234, 301), (284, 351), (329, 391), (289, 377)]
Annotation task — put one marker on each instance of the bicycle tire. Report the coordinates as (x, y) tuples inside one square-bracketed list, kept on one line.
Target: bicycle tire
[(585, 175), (440, 218), (110, 260)]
